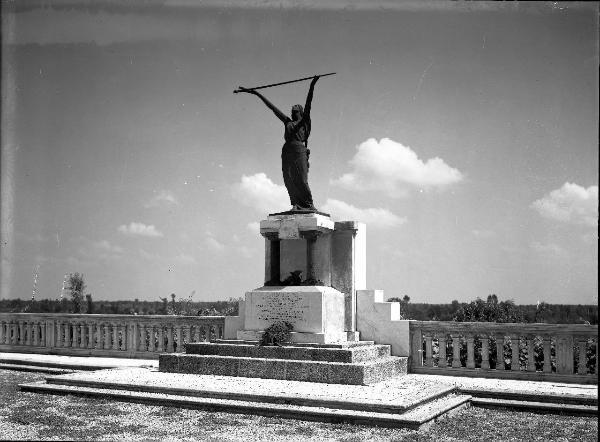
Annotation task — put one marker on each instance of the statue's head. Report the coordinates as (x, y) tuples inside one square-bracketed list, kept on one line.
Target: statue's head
[(297, 112)]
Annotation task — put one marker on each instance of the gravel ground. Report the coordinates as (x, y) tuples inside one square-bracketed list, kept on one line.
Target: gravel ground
[(30, 416)]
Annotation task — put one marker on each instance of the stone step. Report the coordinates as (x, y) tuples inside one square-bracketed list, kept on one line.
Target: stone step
[(540, 396), (263, 390), (46, 364), (536, 406), (34, 368), (414, 418), (362, 373), (352, 354), (347, 344)]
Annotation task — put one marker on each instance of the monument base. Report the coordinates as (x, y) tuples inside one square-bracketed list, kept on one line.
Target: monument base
[(316, 313)]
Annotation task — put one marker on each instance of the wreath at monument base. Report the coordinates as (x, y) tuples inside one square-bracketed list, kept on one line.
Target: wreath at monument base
[(295, 279), (276, 334)]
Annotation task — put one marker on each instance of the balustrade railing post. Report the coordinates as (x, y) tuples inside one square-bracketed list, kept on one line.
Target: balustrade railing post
[(2, 334), (470, 351), (91, 343), (428, 350), (456, 351), (442, 361), (500, 352), (142, 344), (220, 332), (115, 333), (29, 341), (34, 329), (170, 347), (82, 335), (161, 338), (43, 339), (530, 353), (582, 363), (21, 333), (99, 337), (75, 327), (197, 333), (514, 346), (485, 352), (416, 351), (133, 343), (106, 336), (179, 339), (151, 338), (67, 336), (547, 343)]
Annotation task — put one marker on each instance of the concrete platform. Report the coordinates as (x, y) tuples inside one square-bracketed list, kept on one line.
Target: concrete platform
[(408, 403)]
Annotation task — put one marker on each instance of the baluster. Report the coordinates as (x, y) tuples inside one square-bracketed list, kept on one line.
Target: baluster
[(67, 337), (99, 337), (442, 361), (106, 336), (2, 334), (485, 352), (83, 335), (132, 339), (455, 351), (170, 347), (179, 339), (196, 333), (514, 346), (161, 338), (220, 332), (204, 334), (123, 334), (143, 346), (58, 334), (21, 333), (34, 329), (582, 366), (151, 338), (530, 353), (29, 341), (500, 352), (188, 333), (75, 342), (115, 330), (428, 350), (42, 337), (91, 343), (470, 351)]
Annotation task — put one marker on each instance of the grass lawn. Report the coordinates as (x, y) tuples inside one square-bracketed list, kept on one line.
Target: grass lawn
[(31, 416)]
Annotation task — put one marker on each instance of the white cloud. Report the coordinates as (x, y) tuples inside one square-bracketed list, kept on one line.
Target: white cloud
[(163, 198), (212, 243), (140, 229), (390, 167), (373, 217), (570, 204), (259, 192)]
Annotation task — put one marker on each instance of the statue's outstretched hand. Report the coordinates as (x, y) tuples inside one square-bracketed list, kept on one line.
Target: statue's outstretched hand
[(248, 91)]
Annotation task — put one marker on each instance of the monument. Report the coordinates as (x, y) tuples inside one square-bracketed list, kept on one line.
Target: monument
[(314, 269)]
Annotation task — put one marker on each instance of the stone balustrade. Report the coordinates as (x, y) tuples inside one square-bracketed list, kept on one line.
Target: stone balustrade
[(552, 352), (130, 336)]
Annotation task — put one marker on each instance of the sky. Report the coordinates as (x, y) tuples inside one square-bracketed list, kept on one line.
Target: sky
[(465, 136)]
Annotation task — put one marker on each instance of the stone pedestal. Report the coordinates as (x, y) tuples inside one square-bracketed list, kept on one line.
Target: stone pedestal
[(326, 252), (316, 312)]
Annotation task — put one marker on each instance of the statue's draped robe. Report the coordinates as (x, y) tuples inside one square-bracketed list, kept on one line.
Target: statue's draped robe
[(294, 160)]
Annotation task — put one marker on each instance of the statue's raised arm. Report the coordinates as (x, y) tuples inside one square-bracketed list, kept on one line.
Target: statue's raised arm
[(283, 117), (294, 154)]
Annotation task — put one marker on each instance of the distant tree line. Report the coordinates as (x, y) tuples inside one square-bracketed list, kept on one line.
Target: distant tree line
[(493, 310), (490, 310)]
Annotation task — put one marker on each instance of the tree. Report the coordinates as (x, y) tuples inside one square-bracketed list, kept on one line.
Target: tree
[(76, 288)]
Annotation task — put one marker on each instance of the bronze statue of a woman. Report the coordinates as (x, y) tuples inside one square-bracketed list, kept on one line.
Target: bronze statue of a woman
[(294, 155)]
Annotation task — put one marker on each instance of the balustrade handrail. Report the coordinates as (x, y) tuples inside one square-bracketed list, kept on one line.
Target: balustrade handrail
[(507, 327)]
